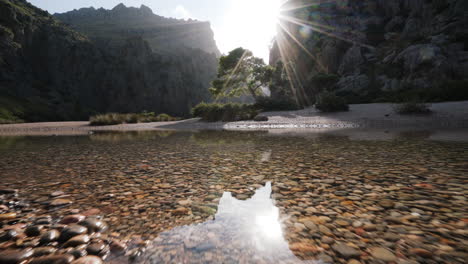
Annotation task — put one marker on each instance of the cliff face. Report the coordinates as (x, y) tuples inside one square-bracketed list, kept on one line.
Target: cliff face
[(51, 72), (375, 50), (110, 28)]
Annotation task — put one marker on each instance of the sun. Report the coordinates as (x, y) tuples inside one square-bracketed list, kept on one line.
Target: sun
[(251, 24)]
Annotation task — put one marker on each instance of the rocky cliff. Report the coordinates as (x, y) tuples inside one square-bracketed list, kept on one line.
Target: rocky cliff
[(110, 28), (375, 50), (50, 72)]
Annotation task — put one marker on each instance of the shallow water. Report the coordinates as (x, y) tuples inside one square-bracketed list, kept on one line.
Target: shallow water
[(326, 187)]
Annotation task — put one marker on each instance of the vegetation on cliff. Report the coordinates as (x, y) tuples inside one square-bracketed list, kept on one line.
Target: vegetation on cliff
[(51, 72)]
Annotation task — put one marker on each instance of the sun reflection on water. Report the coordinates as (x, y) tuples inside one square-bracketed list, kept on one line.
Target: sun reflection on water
[(244, 231)]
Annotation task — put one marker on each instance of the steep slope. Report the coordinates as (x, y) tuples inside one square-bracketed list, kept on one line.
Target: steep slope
[(51, 72), (375, 50), (111, 28)]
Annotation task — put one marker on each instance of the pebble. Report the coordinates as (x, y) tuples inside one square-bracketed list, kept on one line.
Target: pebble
[(72, 219), (345, 251), (15, 256), (180, 211), (49, 236), (94, 225), (61, 202), (421, 252), (42, 251), (54, 259), (77, 240), (34, 230), (8, 234), (72, 231), (382, 254), (327, 240), (311, 226), (7, 216), (88, 260)]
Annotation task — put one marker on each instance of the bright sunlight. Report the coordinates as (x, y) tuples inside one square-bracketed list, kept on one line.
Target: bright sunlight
[(250, 24)]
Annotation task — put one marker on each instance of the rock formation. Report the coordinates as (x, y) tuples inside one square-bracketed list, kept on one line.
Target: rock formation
[(377, 50), (55, 73), (111, 28)]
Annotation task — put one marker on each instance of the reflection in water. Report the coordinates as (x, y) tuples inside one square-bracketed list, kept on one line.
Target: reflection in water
[(246, 231)]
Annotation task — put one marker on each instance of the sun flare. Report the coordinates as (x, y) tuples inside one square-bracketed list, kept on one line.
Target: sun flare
[(252, 24)]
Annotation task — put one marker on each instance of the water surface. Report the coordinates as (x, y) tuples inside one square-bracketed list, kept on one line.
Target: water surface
[(401, 192)]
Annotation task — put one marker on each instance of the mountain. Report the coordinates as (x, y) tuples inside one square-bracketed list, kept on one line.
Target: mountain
[(49, 71), (375, 50), (111, 28)]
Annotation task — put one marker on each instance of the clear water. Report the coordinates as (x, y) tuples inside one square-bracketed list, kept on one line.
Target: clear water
[(193, 193)]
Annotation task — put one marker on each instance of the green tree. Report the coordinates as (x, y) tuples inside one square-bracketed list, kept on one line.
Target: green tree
[(241, 73)]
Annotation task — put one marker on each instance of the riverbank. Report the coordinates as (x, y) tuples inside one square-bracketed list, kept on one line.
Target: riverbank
[(380, 115)]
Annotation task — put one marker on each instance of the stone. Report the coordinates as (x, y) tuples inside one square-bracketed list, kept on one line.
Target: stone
[(71, 231), (370, 227), (11, 256), (345, 251), (421, 252), (43, 251), (311, 226), (96, 248), (34, 230), (94, 225), (325, 230), (78, 253), (72, 219), (382, 254), (61, 202), (387, 204), (88, 260), (8, 191), (54, 259), (7, 216), (181, 211), (342, 223), (303, 248), (327, 240), (77, 240), (8, 234), (353, 261), (391, 237), (117, 246), (57, 193), (49, 236)]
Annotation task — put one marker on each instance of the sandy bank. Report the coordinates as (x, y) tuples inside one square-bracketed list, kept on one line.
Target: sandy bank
[(381, 115)]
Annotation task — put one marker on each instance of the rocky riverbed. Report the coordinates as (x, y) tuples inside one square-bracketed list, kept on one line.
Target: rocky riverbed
[(339, 200), (26, 237)]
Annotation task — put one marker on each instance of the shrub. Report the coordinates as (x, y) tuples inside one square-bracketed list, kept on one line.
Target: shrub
[(165, 118), (115, 119), (412, 107), (224, 112), (329, 102), (269, 104)]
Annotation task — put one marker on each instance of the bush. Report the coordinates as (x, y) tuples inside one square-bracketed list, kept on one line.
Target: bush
[(224, 112), (115, 119), (412, 107), (269, 104), (329, 102)]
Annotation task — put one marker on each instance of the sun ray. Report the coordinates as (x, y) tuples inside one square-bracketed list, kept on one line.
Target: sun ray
[(235, 69), (315, 28), (301, 46)]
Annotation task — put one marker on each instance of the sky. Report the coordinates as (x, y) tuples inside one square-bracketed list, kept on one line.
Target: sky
[(250, 24)]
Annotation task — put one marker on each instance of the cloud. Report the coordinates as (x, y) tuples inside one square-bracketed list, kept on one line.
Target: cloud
[(181, 12)]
